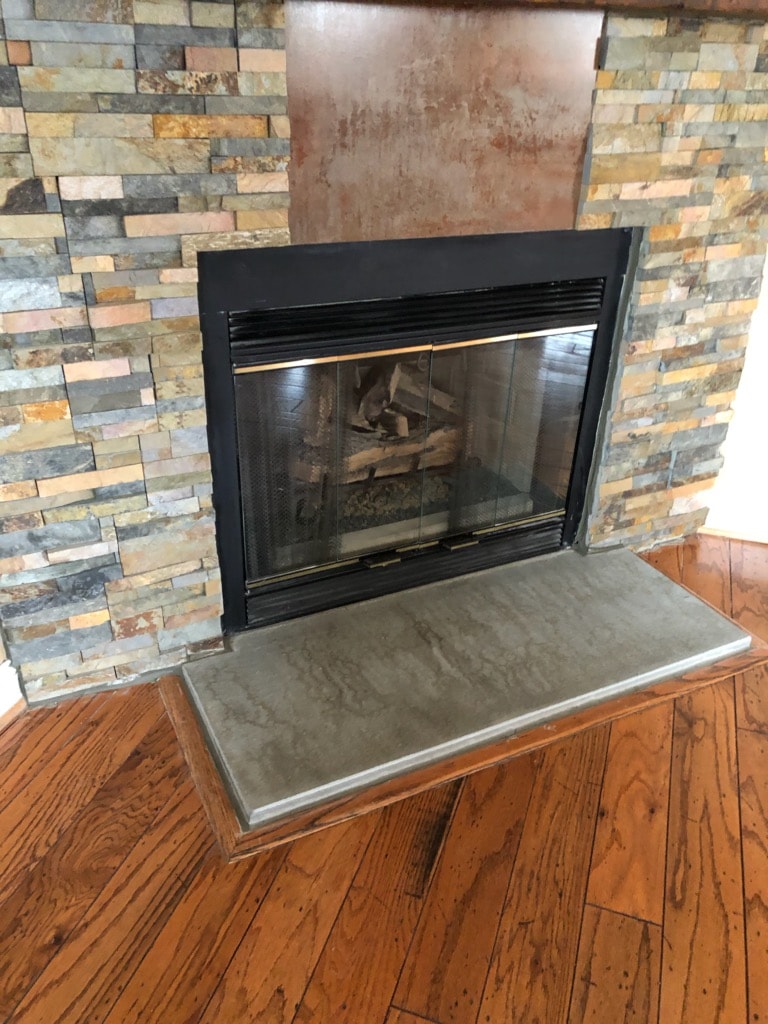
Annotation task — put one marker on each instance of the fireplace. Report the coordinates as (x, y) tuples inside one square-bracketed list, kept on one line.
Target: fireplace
[(385, 414)]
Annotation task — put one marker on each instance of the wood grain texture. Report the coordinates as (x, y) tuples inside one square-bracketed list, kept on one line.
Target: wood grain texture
[(9, 717), (40, 914), (38, 737), (444, 974), (533, 962), (706, 571), (376, 920), (627, 873), (752, 699), (82, 982), (753, 773), (617, 973), (749, 582), (35, 816), (703, 969), (266, 978), (195, 945)]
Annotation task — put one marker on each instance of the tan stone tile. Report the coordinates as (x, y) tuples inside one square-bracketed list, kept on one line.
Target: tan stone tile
[(18, 491), (274, 181), (90, 479), (32, 225), (178, 223), (262, 60), (51, 126), (210, 15), (161, 12), (279, 126), (127, 126), (178, 275), (92, 264), (253, 220)]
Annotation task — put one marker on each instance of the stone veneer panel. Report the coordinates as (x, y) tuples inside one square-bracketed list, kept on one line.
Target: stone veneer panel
[(137, 132), (678, 146), (134, 134)]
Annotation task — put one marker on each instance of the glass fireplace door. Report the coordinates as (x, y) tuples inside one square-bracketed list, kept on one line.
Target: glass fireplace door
[(353, 457)]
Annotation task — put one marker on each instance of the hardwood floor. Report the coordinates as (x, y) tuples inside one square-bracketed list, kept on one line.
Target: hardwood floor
[(618, 875)]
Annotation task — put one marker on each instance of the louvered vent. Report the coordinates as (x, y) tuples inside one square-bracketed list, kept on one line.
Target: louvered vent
[(259, 336)]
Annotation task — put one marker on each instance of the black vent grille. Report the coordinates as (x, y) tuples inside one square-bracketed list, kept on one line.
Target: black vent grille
[(259, 336)]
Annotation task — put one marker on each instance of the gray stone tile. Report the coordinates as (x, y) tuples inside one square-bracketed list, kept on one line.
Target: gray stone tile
[(55, 535), (142, 103), (183, 35), (40, 293), (140, 185), (47, 462), (10, 94), (307, 710), (68, 31)]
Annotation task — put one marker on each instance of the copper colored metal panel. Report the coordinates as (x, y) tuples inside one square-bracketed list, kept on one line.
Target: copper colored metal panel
[(414, 121)]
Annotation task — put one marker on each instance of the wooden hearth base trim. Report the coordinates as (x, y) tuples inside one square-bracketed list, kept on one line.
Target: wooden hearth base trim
[(237, 843)]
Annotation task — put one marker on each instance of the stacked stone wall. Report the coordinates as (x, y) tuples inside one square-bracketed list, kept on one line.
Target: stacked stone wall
[(678, 148), (135, 133)]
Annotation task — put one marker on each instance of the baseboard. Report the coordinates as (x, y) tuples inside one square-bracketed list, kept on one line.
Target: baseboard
[(12, 701)]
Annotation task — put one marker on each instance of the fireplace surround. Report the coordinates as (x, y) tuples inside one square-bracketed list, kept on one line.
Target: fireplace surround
[(138, 135), (385, 414)]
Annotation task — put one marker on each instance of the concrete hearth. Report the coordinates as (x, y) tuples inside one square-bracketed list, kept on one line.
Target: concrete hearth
[(315, 708)]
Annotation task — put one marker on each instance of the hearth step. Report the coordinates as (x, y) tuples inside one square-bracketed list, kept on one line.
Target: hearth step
[(308, 711)]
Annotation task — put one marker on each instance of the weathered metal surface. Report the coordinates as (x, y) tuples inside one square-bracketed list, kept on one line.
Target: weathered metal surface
[(427, 120)]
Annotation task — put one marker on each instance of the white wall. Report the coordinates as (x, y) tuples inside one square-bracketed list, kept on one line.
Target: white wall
[(739, 499)]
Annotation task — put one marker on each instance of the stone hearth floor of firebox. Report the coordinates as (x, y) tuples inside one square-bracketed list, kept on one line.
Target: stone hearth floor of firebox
[(308, 710)]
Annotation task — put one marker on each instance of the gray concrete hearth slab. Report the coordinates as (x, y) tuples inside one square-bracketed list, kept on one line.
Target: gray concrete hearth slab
[(308, 710)]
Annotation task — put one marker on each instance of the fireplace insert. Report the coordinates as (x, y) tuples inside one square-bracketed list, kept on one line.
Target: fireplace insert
[(384, 414)]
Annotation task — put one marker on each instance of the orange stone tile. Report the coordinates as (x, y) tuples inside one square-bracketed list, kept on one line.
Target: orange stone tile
[(117, 316), (89, 619), (42, 412), (210, 58), (210, 126), (19, 52), (178, 223)]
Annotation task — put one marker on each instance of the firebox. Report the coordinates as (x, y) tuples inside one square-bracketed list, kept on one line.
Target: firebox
[(385, 414)]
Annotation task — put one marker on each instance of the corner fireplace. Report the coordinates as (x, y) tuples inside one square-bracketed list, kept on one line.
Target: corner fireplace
[(384, 414)]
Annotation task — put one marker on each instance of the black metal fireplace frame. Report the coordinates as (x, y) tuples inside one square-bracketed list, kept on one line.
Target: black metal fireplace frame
[(281, 286)]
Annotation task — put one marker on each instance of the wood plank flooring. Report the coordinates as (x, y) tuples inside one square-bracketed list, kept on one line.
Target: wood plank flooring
[(618, 875)]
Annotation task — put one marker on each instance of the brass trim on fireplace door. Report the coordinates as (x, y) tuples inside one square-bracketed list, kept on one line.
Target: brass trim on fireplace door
[(344, 358), (437, 347)]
